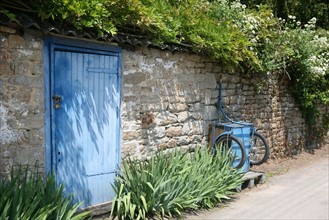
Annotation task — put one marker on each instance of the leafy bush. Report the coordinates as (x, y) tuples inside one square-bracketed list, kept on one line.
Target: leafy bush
[(168, 184), (301, 52), (29, 196)]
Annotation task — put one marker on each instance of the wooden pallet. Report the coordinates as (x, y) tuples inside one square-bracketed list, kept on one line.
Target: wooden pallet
[(251, 178)]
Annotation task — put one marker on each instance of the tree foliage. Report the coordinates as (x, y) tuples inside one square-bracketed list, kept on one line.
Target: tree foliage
[(304, 10)]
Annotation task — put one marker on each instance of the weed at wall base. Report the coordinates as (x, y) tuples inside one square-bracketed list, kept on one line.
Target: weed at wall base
[(24, 196)]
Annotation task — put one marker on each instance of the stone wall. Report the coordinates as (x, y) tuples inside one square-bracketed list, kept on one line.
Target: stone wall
[(21, 98), (168, 100)]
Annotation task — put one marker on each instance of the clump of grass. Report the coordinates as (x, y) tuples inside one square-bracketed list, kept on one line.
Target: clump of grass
[(29, 196), (168, 184)]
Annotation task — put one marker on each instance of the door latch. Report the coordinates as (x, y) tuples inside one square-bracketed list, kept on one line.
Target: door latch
[(57, 99)]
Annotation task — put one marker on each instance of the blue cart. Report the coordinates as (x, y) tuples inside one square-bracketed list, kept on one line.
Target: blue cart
[(247, 146)]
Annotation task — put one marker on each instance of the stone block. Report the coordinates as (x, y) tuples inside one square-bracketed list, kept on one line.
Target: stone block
[(29, 81), (132, 146), (162, 146), (211, 82), (131, 135), (198, 140), (166, 75), (165, 91), (20, 68), (177, 107), (210, 113), (209, 66), (169, 99), (36, 69), (217, 69), (183, 116), (34, 43), (8, 30), (174, 131), (207, 97), (29, 155), (195, 107), (172, 143), (144, 90), (165, 118), (135, 78), (193, 127), (35, 137), (150, 98), (5, 68), (23, 94), (4, 55), (160, 131), (166, 55), (16, 41), (189, 64), (134, 99), (25, 54), (192, 97), (196, 115), (200, 65)]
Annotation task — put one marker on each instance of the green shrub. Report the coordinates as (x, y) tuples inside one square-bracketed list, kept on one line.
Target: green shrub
[(29, 196), (165, 185), (301, 52)]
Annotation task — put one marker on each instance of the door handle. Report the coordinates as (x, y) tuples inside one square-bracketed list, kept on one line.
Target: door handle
[(57, 99)]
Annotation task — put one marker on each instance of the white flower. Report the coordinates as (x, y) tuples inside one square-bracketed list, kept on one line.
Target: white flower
[(313, 20), (318, 70)]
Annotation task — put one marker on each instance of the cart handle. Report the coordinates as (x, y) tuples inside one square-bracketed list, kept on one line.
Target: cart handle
[(220, 104)]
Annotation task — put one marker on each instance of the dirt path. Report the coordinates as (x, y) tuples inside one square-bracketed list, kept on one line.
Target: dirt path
[(296, 188)]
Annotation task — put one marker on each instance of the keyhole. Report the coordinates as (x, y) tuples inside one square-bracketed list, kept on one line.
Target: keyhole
[(57, 101)]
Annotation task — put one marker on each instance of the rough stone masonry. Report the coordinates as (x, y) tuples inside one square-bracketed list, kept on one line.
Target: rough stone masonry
[(168, 100), (21, 98)]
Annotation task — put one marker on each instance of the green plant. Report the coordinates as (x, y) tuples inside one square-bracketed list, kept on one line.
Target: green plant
[(28, 196), (169, 184), (80, 14)]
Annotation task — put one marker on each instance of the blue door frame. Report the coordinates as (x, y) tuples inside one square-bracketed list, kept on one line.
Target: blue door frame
[(90, 125)]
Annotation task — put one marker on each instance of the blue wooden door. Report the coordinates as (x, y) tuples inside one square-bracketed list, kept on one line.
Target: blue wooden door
[(86, 122)]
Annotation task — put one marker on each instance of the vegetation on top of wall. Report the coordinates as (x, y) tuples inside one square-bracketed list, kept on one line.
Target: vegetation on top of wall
[(253, 38), (304, 10)]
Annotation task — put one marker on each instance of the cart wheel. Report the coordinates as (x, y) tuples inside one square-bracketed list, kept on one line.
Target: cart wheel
[(259, 151), (238, 151)]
